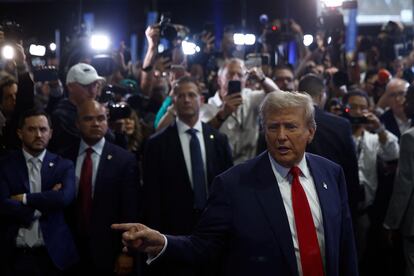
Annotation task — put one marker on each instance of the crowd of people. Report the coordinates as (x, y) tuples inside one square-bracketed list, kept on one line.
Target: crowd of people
[(276, 168)]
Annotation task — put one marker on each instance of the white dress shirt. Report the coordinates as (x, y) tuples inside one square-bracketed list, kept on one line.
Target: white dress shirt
[(284, 180), (95, 156), (185, 145), (34, 229), (368, 148)]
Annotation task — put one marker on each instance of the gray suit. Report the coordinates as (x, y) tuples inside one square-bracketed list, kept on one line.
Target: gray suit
[(400, 214)]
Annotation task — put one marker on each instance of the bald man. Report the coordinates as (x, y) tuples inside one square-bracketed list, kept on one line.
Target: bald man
[(107, 191)]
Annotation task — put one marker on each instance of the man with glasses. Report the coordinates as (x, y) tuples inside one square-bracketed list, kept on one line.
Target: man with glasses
[(394, 119), (284, 78), (82, 83)]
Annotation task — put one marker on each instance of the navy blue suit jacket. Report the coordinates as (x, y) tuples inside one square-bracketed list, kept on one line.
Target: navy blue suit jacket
[(14, 180), (115, 200), (246, 222)]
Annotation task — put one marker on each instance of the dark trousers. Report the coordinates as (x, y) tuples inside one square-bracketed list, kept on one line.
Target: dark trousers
[(32, 261)]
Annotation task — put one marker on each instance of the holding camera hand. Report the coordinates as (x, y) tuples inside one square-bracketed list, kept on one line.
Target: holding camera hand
[(153, 36)]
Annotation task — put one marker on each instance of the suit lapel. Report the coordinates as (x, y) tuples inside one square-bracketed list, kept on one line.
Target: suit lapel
[(209, 147), (22, 171), (323, 190), (46, 170), (103, 165), (268, 194)]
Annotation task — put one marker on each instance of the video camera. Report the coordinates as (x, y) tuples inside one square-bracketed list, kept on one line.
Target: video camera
[(167, 30), (119, 111), (279, 32)]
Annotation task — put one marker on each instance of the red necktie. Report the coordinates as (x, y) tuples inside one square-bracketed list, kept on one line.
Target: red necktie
[(85, 193), (310, 254)]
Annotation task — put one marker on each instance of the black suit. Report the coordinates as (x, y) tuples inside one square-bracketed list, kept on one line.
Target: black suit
[(115, 199), (333, 140), (168, 195)]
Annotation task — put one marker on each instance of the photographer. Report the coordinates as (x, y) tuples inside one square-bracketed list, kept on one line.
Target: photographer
[(372, 141), (234, 108)]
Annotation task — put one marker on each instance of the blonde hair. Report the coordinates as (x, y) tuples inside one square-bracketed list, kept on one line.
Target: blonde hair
[(275, 101)]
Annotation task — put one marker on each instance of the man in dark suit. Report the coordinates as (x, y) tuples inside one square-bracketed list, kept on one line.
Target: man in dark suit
[(107, 191), (333, 138), (35, 187), (282, 213), (170, 183)]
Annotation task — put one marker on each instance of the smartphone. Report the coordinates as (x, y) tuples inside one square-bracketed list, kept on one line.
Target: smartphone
[(45, 74), (253, 60), (234, 86)]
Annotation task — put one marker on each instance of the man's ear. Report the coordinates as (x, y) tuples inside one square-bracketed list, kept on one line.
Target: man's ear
[(311, 134)]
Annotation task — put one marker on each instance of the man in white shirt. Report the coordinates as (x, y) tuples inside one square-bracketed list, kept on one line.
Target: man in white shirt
[(372, 140), (284, 212), (236, 115)]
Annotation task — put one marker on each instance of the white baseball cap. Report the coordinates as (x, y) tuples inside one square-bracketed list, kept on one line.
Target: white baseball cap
[(82, 73)]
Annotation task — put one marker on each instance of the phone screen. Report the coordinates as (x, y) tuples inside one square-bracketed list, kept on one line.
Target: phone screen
[(234, 86)]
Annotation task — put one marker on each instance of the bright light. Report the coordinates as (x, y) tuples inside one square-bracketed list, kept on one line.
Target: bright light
[(100, 42), (189, 48), (198, 49), (161, 48), (307, 40), (329, 40), (7, 52), (332, 3), (244, 39), (37, 50), (52, 47), (249, 39), (238, 39)]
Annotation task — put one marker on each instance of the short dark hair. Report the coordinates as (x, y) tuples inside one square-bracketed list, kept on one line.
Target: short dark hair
[(185, 79), (32, 113), (355, 92), (283, 66), (6, 81), (311, 84)]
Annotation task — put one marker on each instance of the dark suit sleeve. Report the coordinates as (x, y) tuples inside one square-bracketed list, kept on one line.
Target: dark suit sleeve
[(11, 209), (347, 258), (53, 200), (210, 235), (228, 160)]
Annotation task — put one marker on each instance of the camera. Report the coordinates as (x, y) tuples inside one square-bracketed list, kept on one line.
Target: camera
[(167, 30), (45, 74), (279, 32), (112, 93), (119, 111), (354, 120)]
